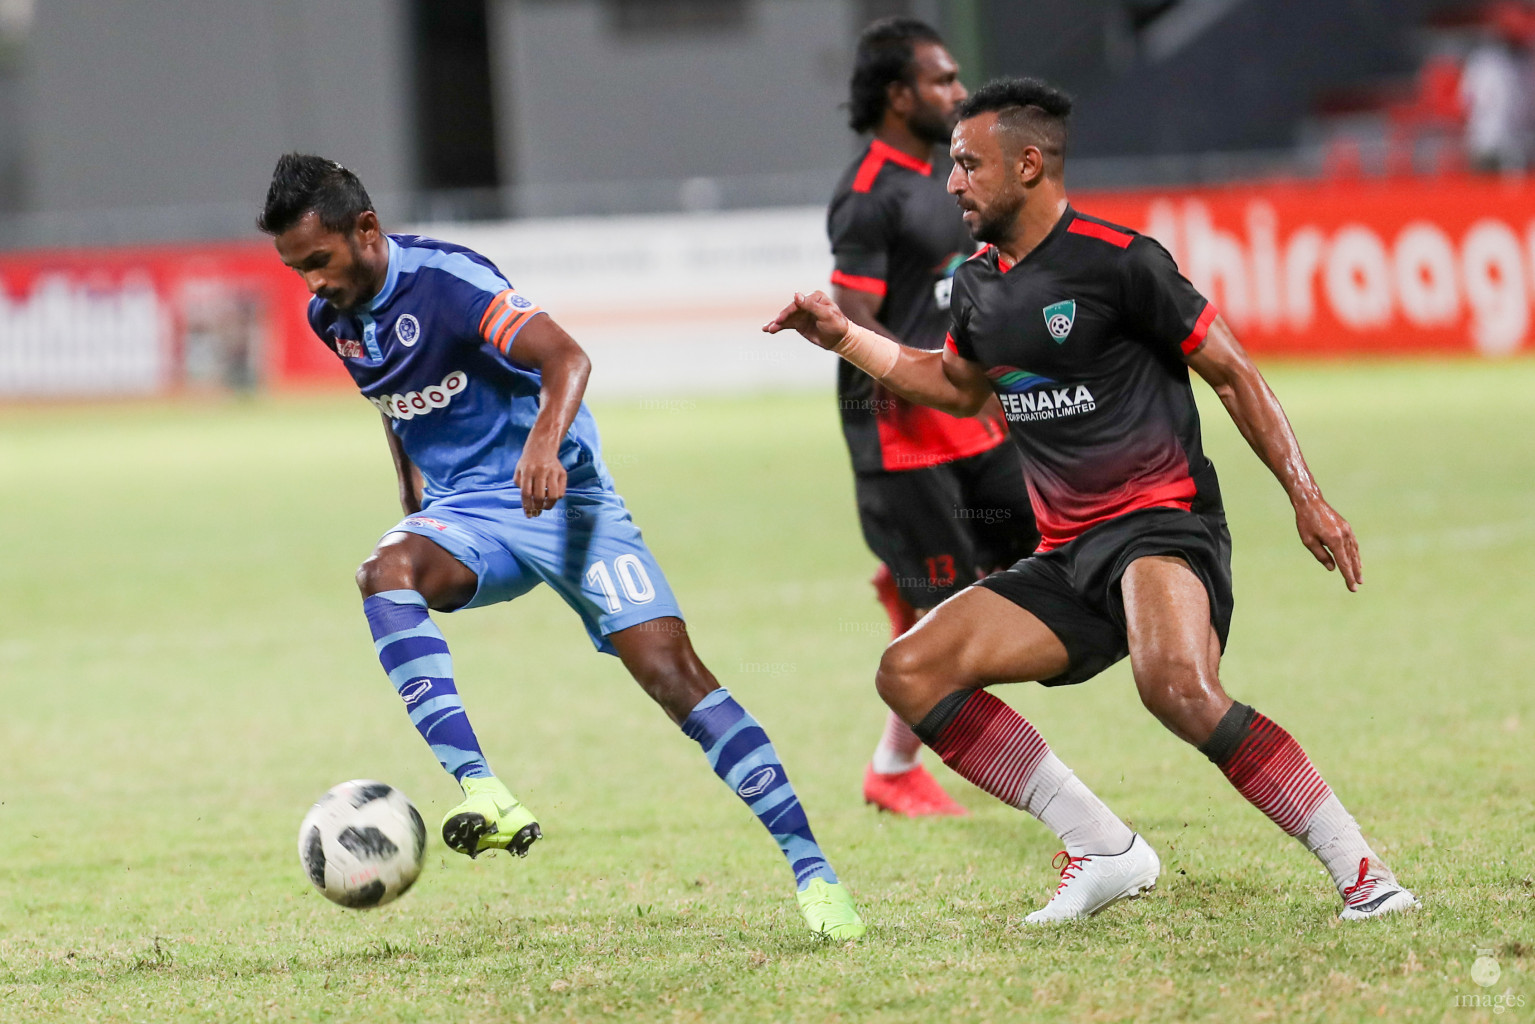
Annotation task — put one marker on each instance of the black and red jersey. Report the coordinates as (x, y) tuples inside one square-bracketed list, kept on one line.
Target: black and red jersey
[(897, 233), (1083, 342)]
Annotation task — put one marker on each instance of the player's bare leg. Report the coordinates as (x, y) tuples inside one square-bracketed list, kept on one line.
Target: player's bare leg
[(660, 657), (406, 561), (404, 577), (1174, 651), (1175, 656), (972, 640), (934, 677), (895, 779)]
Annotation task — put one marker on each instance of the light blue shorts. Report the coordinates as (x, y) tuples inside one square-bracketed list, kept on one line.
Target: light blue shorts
[(586, 547)]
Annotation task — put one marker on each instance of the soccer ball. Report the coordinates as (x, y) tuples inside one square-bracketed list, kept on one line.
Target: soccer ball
[(362, 843)]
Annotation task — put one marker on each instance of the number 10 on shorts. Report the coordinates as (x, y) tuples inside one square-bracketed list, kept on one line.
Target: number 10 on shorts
[(632, 577)]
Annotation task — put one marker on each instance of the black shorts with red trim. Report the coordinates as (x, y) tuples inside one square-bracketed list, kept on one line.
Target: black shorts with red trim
[(1075, 589), (942, 527)]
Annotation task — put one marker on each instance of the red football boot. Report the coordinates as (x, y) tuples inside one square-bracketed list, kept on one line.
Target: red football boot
[(913, 793)]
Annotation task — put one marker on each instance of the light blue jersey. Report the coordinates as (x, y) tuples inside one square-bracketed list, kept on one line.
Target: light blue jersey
[(431, 352)]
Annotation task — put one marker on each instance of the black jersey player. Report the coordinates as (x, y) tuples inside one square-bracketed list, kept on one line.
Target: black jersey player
[(1087, 332), (941, 498)]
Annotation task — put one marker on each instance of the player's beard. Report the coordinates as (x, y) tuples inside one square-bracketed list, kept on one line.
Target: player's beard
[(359, 290), (997, 224), (927, 124)]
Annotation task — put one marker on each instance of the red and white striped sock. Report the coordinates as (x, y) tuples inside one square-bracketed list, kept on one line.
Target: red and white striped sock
[(899, 748), (990, 745), (993, 747), (1270, 769)]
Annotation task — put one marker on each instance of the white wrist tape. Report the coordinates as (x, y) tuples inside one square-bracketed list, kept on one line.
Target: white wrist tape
[(872, 353)]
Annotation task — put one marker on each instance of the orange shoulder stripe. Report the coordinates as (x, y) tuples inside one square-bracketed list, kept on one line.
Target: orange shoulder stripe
[(497, 306), (508, 331), (504, 317)]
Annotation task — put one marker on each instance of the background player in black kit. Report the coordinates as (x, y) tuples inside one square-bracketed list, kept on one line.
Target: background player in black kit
[(941, 499), (1087, 330)]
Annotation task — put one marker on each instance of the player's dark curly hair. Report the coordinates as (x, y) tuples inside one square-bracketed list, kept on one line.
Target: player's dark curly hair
[(302, 182), (885, 53), (1032, 111)]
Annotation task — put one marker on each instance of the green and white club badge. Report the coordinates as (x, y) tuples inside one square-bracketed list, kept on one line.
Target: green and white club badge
[(1059, 316)]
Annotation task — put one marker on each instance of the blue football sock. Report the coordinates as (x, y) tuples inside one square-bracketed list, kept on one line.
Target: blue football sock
[(416, 657), (742, 755)]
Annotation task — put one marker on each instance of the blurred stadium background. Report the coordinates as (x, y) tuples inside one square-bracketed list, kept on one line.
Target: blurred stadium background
[(655, 171), (185, 668)]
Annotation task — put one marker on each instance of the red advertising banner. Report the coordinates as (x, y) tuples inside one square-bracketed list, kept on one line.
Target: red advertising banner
[(1422, 265), (1417, 265), (153, 320)]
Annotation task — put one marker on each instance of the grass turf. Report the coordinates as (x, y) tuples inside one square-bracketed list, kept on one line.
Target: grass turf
[(186, 668)]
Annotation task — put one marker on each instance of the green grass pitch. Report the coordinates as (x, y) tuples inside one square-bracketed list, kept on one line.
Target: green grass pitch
[(186, 668)]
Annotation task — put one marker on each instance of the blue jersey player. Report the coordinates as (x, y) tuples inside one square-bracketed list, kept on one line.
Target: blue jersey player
[(503, 487)]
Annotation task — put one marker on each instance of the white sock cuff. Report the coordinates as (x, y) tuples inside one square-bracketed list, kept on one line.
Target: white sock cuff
[(899, 750), (888, 761), (1333, 836), (1327, 823), (1064, 804), (1044, 783)]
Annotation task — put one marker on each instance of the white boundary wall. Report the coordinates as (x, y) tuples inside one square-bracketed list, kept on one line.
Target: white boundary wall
[(671, 304)]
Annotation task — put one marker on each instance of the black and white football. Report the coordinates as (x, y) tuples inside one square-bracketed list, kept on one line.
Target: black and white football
[(362, 844)]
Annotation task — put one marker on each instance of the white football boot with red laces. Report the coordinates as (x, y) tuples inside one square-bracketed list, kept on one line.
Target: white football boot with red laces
[(1091, 883), (1374, 893)]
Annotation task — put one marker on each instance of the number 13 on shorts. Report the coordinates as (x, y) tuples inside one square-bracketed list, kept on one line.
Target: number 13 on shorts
[(631, 577)]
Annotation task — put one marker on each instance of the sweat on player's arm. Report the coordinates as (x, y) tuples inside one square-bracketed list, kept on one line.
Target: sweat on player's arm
[(1225, 365), (939, 379)]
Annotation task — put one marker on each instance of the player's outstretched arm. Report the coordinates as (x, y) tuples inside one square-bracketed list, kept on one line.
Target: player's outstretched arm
[(1222, 361), (544, 346), (404, 471), (937, 379), (862, 308)]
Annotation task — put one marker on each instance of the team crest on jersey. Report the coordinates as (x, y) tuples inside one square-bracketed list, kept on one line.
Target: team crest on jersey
[(1059, 316), (518, 302), (348, 348), (407, 329)]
